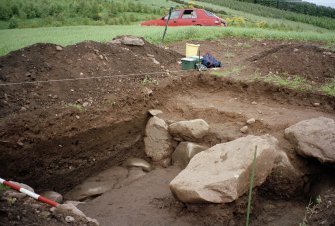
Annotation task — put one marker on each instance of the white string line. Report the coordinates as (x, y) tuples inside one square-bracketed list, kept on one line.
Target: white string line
[(88, 78)]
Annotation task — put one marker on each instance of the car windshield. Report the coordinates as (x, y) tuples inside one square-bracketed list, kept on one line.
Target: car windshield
[(174, 15), (210, 14)]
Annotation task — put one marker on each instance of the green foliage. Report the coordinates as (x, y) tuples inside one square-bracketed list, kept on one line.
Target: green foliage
[(329, 88), (37, 13), (13, 23), (297, 6), (4, 187), (295, 82)]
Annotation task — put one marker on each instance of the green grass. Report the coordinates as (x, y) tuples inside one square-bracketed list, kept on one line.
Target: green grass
[(18, 38), (75, 106), (329, 88), (4, 187), (227, 72), (295, 82)]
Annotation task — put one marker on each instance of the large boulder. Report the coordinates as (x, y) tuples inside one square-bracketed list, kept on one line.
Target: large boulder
[(189, 130), (158, 142), (185, 152), (314, 138), (221, 174)]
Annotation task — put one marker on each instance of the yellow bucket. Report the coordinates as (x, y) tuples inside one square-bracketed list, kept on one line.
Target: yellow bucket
[(192, 50)]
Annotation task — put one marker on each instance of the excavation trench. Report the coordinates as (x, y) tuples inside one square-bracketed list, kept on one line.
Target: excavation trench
[(63, 162)]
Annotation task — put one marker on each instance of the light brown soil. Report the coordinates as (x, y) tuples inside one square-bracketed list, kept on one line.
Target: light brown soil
[(50, 141)]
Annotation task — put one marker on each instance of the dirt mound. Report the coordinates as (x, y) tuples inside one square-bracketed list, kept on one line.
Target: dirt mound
[(42, 62), (310, 62)]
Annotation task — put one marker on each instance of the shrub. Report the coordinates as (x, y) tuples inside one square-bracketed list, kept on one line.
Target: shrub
[(13, 23)]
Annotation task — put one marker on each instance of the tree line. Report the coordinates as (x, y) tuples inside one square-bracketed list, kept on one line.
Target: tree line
[(297, 6)]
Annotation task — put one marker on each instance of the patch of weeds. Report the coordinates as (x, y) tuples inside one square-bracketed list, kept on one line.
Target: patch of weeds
[(229, 55), (329, 88), (243, 45), (228, 72), (311, 209), (75, 106), (294, 82), (4, 187), (11, 201), (222, 43), (148, 81)]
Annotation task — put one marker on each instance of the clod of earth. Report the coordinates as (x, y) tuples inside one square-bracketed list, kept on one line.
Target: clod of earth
[(184, 152), (189, 130), (158, 142), (221, 173), (314, 138)]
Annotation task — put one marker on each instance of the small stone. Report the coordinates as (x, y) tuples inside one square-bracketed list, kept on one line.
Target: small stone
[(150, 55), (254, 103), (69, 219), (244, 129), (251, 121), (148, 91), (59, 48), (155, 61), (72, 90), (295, 50), (137, 162), (52, 195), (316, 104), (155, 112), (77, 117), (23, 109), (101, 57), (86, 104), (81, 73)]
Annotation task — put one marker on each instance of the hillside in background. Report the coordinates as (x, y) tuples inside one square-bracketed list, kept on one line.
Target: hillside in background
[(297, 6), (270, 12)]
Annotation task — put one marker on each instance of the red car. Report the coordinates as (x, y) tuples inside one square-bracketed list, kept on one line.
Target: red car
[(188, 17)]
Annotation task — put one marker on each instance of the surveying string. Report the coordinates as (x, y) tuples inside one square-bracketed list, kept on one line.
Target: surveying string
[(89, 78)]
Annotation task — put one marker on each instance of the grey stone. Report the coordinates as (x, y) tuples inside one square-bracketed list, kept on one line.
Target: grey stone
[(185, 152), (157, 140), (314, 138), (23, 186), (59, 48), (97, 185), (52, 195), (221, 174), (137, 162), (69, 219), (189, 130), (155, 112), (251, 121), (244, 129)]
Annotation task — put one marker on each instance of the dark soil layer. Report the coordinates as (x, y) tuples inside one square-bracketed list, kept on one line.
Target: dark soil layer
[(41, 62), (310, 62)]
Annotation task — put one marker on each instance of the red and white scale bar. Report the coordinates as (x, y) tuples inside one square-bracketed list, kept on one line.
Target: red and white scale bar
[(29, 193)]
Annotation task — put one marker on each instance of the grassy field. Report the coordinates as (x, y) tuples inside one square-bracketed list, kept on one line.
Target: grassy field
[(18, 38)]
